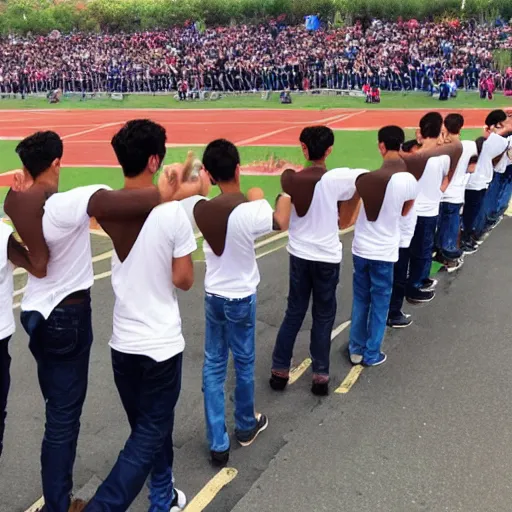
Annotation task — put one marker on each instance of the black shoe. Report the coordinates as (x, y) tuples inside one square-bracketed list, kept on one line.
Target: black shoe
[(429, 285), (220, 459), (469, 247), (420, 297), (278, 383), (320, 388), (247, 438), (400, 322)]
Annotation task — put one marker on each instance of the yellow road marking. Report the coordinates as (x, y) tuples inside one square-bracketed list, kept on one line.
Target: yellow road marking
[(297, 372), (211, 489), (350, 379), (36, 506), (508, 213)]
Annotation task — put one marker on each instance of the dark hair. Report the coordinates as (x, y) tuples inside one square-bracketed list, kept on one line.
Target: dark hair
[(38, 151), (392, 137), (454, 123), (495, 117), (318, 139), (136, 142), (430, 125), (479, 144), (220, 159), (408, 146)]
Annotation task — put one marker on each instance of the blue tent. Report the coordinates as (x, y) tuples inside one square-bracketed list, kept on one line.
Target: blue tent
[(312, 22)]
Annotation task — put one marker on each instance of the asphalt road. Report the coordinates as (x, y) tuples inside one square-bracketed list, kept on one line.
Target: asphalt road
[(428, 431)]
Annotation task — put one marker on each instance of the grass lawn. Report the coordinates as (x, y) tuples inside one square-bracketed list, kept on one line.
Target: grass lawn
[(396, 100)]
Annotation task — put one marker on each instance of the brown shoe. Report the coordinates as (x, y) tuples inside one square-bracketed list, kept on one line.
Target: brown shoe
[(77, 506)]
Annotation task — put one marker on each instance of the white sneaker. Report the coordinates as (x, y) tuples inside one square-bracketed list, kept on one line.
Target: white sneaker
[(180, 501), (356, 359)]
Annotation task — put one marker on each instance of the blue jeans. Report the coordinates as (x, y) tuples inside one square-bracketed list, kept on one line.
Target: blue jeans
[(422, 245), (490, 213), (448, 228), (400, 271), (230, 324), (320, 280), (506, 191), (5, 384), (373, 285), (472, 213), (61, 347), (149, 392)]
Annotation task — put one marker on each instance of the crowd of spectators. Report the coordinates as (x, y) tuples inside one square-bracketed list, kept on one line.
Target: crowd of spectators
[(391, 56)]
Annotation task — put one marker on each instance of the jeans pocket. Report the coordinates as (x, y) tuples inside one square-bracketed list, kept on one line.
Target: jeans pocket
[(60, 340), (240, 312)]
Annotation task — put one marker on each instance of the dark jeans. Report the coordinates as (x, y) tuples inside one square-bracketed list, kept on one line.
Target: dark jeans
[(149, 392), (422, 245), (448, 228), (61, 347), (373, 284), (473, 212), (320, 280), (400, 272), (5, 384), (505, 192)]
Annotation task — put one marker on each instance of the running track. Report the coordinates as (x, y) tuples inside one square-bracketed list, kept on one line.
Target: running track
[(87, 133)]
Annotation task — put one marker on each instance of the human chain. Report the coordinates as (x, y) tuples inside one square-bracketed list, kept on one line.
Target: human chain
[(391, 56), (428, 194)]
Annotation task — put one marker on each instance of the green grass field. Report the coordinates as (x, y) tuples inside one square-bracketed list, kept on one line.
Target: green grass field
[(320, 102)]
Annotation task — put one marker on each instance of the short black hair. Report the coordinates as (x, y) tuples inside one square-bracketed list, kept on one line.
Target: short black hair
[(136, 142), (495, 117), (38, 151), (431, 125), (392, 137), (454, 123), (220, 159), (318, 139), (408, 146)]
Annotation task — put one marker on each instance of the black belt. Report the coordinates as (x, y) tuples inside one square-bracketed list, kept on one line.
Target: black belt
[(76, 297)]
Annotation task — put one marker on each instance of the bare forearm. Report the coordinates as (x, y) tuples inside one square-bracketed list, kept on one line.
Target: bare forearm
[(349, 210), (20, 257)]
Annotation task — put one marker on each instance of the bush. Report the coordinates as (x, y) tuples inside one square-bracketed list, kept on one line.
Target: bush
[(42, 16)]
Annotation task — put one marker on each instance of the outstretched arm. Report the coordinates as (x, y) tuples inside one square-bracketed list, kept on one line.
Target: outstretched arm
[(20, 257), (348, 211)]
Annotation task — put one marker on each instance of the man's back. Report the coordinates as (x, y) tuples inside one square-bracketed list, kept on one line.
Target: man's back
[(455, 191), (430, 194)]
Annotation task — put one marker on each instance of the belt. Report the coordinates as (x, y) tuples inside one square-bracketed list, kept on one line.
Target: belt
[(76, 298)]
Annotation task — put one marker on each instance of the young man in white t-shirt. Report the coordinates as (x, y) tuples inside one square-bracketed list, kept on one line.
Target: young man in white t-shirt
[(230, 223), (432, 184), (387, 195), (56, 309), (152, 258), (315, 254), (473, 217), (12, 254), (448, 227)]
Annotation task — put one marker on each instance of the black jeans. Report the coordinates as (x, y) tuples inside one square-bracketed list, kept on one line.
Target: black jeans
[(472, 213), (5, 384), (61, 347), (400, 271), (320, 280), (149, 392)]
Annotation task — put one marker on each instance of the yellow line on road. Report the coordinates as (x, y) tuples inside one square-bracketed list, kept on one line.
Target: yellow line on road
[(211, 489), (297, 372), (36, 506), (350, 379)]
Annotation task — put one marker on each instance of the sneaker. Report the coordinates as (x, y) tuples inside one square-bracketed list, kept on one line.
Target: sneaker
[(179, 502), (400, 322), (355, 359), (469, 248), (421, 297), (278, 382), (429, 285), (453, 265), (381, 359), (320, 385), (247, 438), (220, 459)]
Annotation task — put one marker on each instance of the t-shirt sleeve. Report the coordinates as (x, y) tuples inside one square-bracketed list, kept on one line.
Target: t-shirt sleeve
[(411, 188), (262, 217), (342, 182), (184, 239), (444, 162), (188, 205), (495, 145), (72, 206)]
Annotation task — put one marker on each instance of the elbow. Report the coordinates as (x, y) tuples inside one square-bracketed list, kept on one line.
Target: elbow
[(184, 283)]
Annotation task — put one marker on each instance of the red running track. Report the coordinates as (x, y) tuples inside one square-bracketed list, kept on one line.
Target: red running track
[(87, 133)]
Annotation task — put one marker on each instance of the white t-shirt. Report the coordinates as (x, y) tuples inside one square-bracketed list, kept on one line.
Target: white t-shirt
[(429, 195), (492, 147), (407, 227), (379, 240), (7, 324), (66, 231), (147, 318), (234, 274), (454, 194), (505, 160), (315, 237)]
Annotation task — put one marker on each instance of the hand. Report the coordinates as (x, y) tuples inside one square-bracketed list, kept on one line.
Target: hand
[(255, 194), (169, 182), (21, 181)]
